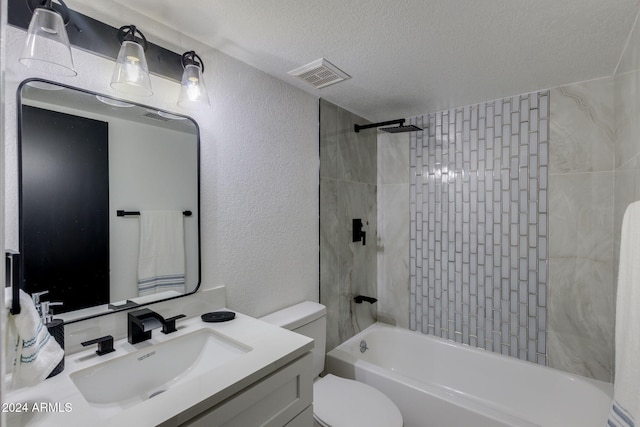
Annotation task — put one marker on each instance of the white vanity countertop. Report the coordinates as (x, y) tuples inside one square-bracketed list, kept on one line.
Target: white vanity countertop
[(272, 348)]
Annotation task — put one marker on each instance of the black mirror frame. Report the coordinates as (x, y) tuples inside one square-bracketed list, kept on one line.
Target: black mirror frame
[(19, 179)]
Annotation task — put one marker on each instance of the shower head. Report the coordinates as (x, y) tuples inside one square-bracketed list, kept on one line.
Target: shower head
[(393, 129), (401, 128)]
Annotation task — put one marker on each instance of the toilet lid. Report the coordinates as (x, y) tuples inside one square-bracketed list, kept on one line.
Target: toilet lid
[(339, 402)]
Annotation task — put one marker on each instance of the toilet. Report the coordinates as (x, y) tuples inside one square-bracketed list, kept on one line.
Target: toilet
[(337, 402)]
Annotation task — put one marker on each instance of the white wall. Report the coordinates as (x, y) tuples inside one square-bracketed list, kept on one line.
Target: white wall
[(259, 174), (149, 169)]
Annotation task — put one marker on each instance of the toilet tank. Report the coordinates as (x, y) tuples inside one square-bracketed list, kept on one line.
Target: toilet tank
[(308, 319)]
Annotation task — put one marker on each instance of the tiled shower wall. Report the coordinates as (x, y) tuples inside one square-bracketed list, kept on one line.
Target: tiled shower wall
[(393, 228), (348, 177), (627, 127), (581, 222), (478, 225)]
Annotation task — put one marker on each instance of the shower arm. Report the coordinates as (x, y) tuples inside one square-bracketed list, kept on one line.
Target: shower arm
[(357, 128)]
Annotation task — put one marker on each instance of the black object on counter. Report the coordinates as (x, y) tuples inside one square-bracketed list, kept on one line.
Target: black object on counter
[(218, 316)]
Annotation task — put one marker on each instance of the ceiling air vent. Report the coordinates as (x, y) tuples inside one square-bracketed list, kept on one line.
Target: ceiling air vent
[(320, 73)]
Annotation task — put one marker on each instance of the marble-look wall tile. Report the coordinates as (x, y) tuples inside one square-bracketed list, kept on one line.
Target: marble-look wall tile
[(581, 273), (627, 191), (627, 115), (393, 254), (357, 261), (347, 191), (581, 240), (627, 124), (393, 228), (581, 220), (328, 140), (329, 267), (393, 158), (356, 151), (582, 118), (630, 59)]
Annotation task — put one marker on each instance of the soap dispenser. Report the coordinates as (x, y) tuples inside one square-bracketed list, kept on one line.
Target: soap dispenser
[(55, 328)]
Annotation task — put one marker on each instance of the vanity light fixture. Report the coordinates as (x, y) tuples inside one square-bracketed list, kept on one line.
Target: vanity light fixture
[(131, 75), (193, 92), (47, 46)]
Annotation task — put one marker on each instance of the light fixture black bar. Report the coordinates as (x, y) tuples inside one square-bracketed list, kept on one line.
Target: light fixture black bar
[(97, 37), (358, 128), (134, 213)]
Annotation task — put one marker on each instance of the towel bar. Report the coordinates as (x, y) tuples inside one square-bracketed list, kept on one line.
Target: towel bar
[(13, 278), (133, 213)]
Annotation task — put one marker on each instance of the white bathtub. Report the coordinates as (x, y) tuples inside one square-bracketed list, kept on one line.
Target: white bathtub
[(437, 383)]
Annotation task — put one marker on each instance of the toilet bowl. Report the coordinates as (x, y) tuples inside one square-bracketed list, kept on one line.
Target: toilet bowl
[(341, 402), (337, 402)]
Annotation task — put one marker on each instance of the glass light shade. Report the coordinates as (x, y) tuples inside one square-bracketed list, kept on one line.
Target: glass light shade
[(113, 102), (47, 46), (193, 92), (131, 75)]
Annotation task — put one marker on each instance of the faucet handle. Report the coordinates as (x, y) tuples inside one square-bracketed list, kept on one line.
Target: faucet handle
[(105, 344), (36, 296), (45, 311), (169, 325)]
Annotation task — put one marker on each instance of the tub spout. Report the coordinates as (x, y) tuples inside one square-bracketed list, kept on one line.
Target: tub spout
[(359, 298)]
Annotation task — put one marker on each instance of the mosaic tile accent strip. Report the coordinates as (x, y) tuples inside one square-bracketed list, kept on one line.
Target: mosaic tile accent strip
[(479, 225)]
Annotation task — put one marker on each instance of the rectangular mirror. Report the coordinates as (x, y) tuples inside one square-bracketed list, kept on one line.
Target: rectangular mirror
[(109, 200)]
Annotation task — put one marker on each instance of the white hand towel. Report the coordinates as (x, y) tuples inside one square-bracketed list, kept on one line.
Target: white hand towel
[(36, 352), (626, 405), (161, 259)]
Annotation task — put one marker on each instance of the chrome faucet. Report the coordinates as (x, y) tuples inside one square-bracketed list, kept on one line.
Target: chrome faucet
[(140, 323)]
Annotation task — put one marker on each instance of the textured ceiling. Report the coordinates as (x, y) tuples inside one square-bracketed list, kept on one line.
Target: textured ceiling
[(406, 57)]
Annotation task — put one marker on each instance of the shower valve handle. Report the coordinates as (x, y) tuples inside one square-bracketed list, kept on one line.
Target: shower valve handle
[(358, 234)]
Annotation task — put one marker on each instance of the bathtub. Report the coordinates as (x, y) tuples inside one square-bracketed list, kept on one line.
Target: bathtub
[(438, 383)]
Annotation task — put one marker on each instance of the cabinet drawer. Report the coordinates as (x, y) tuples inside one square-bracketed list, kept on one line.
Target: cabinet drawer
[(271, 402)]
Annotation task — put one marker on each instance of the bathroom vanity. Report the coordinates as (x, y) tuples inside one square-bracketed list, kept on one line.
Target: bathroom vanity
[(237, 373)]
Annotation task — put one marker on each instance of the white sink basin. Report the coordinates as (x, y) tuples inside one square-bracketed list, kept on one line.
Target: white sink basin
[(138, 376)]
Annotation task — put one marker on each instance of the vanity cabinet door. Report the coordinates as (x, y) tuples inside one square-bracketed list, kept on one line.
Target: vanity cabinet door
[(271, 402), (305, 419)]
